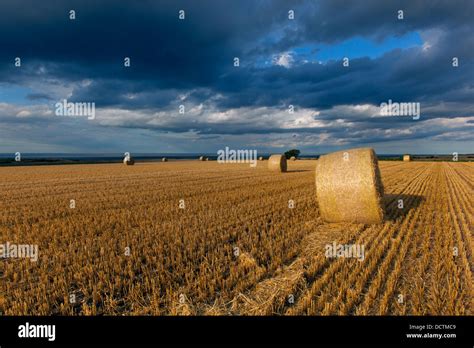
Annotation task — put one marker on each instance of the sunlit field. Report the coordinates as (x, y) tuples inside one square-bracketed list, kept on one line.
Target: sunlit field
[(190, 237)]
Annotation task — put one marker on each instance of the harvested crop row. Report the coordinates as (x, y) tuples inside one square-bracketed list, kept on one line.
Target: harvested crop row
[(185, 261)]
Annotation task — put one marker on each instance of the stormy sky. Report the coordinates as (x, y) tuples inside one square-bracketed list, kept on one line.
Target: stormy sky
[(285, 64)]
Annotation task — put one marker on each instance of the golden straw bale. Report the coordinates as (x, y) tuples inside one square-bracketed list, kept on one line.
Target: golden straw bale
[(277, 163), (406, 158), (129, 161), (349, 187)]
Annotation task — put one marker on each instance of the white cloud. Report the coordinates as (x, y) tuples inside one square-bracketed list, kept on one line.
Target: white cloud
[(284, 59), (8, 111), (431, 38), (23, 113)]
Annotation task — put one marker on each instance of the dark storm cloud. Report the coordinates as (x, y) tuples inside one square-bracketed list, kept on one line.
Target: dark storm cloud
[(193, 59), (335, 20), (38, 96), (163, 49), (404, 75)]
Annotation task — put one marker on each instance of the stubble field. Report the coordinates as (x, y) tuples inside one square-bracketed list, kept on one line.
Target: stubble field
[(204, 238)]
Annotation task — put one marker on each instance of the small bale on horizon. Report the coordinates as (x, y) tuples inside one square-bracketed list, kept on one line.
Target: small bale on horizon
[(129, 161), (202, 158), (164, 159), (349, 187), (292, 158), (406, 158), (260, 158), (277, 163)]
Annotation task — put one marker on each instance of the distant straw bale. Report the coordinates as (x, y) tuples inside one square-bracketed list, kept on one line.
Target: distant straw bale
[(277, 163), (129, 161)]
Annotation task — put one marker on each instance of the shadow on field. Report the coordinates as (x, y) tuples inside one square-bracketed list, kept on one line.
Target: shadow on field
[(298, 171), (393, 204)]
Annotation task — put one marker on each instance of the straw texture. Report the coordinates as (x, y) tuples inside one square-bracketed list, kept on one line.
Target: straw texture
[(349, 187), (277, 163)]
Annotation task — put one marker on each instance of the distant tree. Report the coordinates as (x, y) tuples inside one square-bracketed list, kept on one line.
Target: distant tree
[(290, 153)]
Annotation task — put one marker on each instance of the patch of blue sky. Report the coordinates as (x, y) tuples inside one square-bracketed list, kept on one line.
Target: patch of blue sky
[(356, 47), (14, 94)]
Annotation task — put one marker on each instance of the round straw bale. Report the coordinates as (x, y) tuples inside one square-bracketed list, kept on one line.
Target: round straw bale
[(406, 158), (202, 158), (129, 161), (277, 163), (292, 158), (164, 159), (260, 158), (349, 187)]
